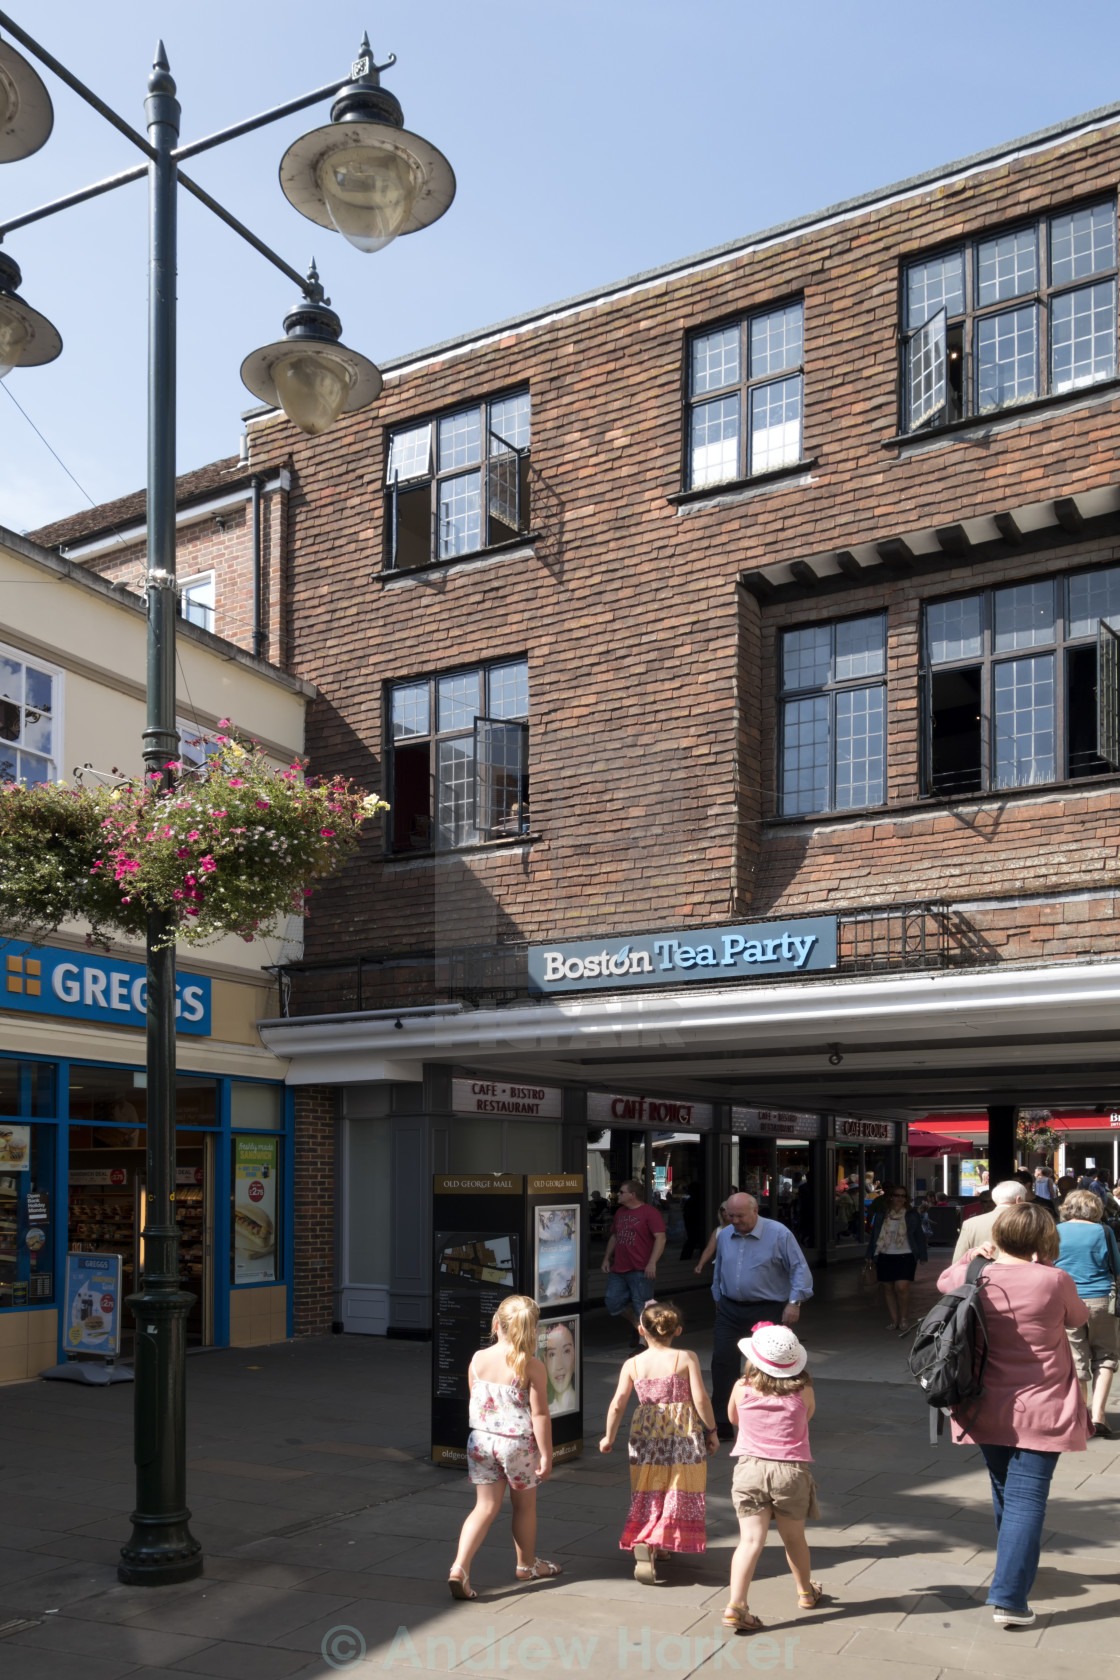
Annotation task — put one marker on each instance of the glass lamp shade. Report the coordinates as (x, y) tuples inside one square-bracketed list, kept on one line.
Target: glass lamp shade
[(311, 387), (26, 113), (15, 336), (369, 192)]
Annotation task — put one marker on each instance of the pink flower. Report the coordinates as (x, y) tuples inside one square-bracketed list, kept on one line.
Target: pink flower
[(307, 892), (178, 893), (173, 764), (184, 851), (193, 835), (223, 723), (262, 804), (207, 865), (327, 833), (190, 880), (235, 781), (126, 901)]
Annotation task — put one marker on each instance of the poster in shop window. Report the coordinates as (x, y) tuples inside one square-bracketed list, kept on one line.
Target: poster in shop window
[(255, 1177), (558, 1351), (556, 1230), (15, 1147)]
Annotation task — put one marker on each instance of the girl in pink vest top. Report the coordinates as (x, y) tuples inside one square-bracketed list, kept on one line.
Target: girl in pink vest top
[(772, 1405)]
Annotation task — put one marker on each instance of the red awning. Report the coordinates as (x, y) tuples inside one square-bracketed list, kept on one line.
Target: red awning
[(936, 1143), (939, 1124)]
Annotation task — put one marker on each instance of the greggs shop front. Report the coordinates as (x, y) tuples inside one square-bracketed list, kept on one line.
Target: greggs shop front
[(73, 1114)]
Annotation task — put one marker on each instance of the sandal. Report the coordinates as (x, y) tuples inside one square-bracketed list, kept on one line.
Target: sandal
[(539, 1570), (809, 1600), (739, 1619), (645, 1564), (460, 1583)]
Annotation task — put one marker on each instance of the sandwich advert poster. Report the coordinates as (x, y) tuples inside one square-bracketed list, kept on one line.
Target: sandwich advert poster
[(255, 1161)]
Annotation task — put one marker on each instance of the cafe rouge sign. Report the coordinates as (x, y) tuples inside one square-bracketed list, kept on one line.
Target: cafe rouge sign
[(751, 950), (43, 980)]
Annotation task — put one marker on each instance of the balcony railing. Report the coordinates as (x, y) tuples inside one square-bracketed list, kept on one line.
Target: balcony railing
[(878, 939)]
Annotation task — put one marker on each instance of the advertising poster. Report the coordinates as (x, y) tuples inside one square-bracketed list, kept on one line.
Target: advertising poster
[(255, 1179), (92, 1304), (475, 1270), (558, 1349), (556, 1275), (974, 1176), (15, 1147)]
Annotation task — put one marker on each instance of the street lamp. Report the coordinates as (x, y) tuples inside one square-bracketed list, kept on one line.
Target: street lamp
[(314, 378), (26, 113), (364, 173)]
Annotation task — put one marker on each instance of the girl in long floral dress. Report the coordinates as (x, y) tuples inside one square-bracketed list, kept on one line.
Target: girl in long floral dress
[(672, 1435)]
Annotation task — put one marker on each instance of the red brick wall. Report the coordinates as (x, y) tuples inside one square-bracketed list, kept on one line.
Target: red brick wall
[(313, 1279)]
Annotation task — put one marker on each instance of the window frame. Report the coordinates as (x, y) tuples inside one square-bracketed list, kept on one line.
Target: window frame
[(193, 582), (830, 690), (1041, 300), (55, 673), (433, 477), (743, 389), (432, 741), (1059, 647)]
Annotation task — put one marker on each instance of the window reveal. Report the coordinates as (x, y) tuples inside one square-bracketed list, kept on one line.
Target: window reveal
[(460, 758), (458, 484), (1006, 319)]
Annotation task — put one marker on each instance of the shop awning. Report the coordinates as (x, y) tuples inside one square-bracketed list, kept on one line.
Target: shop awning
[(919, 1142)]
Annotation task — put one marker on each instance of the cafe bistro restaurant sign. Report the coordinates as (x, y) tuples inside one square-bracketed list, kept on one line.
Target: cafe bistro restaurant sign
[(751, 950)]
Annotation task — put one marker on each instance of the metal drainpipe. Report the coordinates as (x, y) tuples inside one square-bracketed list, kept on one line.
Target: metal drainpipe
[(257, 484)]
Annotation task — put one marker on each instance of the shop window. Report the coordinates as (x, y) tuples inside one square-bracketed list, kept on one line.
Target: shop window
[(833, 719), (1021, 684), (27, 1214), (111, 1097), (460, 758), (746, 397), (30, 698), (458, 483), (28, 1088), (255, 1215), (1010, 317), (256, 1107), (198, 600)]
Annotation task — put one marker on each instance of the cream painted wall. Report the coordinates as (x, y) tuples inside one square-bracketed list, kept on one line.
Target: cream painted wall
[(57, 615)]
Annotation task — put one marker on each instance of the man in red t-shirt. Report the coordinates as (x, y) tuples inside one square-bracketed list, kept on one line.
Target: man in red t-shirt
[(637, 1242)]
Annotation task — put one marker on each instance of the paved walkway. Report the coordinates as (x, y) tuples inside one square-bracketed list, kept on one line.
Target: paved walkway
[(327, 1533)]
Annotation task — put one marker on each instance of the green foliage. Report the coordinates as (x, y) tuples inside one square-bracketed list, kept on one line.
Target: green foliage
[(231, 848)]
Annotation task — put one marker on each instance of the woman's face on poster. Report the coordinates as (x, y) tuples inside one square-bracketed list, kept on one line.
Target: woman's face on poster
[(560, 1358)]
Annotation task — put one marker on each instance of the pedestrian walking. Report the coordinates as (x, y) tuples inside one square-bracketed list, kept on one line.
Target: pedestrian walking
[(1089, 1253), (672, 1434), (636, 1244), (710, 1245), (772, 1405), (895, 1246), (1031, 1409), (760, 1275), (974, 1233), (510, 1443)]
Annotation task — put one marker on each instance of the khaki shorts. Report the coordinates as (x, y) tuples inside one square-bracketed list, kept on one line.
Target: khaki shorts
[(784, 1487), (1096, 1345)]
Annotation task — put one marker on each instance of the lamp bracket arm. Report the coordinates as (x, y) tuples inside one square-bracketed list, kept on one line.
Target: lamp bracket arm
[(231, 221), (261, 121), (79, 197), (73, 83)]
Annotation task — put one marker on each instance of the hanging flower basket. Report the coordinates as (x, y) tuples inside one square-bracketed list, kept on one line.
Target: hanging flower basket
[(1035, 1136), (233, 847)]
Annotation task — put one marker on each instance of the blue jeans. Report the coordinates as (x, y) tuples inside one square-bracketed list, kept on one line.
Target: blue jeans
[(1020, 1488), (628, 1289)]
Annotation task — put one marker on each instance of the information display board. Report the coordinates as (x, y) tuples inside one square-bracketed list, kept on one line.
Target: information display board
[(92, 1304), (498, 1234)]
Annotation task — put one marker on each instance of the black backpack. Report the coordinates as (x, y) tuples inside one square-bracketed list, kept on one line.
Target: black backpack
[(950, 1350)]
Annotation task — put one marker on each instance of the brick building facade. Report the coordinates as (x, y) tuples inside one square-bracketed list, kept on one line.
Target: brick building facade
[(803, 564)]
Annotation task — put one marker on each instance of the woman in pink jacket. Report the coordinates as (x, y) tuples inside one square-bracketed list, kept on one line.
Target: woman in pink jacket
[(1031, 1409)]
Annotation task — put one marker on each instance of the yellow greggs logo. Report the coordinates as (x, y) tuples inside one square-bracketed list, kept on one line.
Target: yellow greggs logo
[(24, 975)]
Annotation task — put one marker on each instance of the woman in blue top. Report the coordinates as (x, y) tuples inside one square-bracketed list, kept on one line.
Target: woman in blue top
[(1090, 1255)]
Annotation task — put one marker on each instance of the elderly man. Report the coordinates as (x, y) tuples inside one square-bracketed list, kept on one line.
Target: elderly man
[(975, 1232), (760, 1274)]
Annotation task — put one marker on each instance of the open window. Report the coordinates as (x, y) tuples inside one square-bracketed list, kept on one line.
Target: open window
[(956, 731), (459, 484), (926, 383), (1108, 696), (501, 764)]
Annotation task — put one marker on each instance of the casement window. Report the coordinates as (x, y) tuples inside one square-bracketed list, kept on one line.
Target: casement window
[(460, 758), (1022, 684), (458, 483), (198, 600), (1009, 318), (745, 397), (834, 716), (196, 745), (30, 697)]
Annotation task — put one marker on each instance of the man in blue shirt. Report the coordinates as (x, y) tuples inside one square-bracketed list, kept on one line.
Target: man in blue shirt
[(760, 1273)]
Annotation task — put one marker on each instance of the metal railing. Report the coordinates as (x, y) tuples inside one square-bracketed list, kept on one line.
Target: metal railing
[(876, 939)]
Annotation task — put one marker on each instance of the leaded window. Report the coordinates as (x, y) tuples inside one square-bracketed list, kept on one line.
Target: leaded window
[(1010, 317), (746, 397), (1012, 683), (833, 716), (458, 483), (460, 758)]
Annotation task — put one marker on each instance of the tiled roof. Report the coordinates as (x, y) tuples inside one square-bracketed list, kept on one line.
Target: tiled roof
[(128, 510)]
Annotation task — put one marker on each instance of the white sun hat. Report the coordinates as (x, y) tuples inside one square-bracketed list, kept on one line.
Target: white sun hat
[(775, 1349)]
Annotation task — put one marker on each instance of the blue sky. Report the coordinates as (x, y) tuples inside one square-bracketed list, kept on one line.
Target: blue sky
[(590, 141)]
